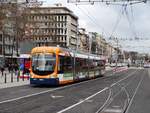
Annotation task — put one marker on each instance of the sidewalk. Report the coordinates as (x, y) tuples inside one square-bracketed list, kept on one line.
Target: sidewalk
[(9, 80), (20, 83)]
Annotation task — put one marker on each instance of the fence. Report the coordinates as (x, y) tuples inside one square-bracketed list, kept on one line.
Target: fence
[(12, 76)]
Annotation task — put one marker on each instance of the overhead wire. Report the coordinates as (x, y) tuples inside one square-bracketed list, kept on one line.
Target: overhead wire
[(133, 20), (117, 21), (131, 25), (92, 20), (124, 12)]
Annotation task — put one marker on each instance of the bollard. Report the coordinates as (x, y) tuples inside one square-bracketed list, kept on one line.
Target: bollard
[(23, 77), (2, 73), (5, 78), (12, 76), (17, 78), (28, 76)]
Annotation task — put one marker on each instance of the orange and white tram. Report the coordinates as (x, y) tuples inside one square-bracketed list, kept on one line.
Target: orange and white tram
[(55, 66)]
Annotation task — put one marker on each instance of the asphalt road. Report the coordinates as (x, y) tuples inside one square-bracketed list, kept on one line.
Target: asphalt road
[(114, 93)]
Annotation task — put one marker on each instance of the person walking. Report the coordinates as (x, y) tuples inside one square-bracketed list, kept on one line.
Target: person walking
[(2, 70), (9, 67)]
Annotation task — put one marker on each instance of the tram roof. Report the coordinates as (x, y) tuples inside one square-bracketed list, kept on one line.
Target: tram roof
[(63, 51)]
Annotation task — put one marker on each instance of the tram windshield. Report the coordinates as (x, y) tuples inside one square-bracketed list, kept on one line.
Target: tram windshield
[(43, 64)]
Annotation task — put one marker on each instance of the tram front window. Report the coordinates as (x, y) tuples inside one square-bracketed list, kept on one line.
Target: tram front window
[(43, 64)]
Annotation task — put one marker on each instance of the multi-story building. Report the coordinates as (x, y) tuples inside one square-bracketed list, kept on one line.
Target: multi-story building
[(93, 42), (12, 27), (110, 50), (102, 45), (52, 26), (84, 40), (8, 29)]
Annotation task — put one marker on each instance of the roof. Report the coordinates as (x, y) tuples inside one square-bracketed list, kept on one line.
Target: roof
[(55, 7), (64, 51)]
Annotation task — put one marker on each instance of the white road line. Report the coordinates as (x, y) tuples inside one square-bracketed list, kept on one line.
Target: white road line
[(148, 73), (68, 108), (113, 110), (134, 94), (123, 78)]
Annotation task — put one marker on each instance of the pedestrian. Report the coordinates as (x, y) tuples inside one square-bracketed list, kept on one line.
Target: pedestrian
[(128, 65), (2, 70), (16, 68), (9, 67), (12, 67)]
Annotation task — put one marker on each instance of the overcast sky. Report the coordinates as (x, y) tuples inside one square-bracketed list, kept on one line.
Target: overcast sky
[(102, 18)]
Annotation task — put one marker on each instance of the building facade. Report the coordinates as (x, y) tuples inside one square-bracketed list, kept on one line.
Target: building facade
[(52, 26), (92, 42), (101, 45), (84, 40), (8, 29)]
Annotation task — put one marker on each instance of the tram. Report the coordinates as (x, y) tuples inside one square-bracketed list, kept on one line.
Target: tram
[(56, 66)]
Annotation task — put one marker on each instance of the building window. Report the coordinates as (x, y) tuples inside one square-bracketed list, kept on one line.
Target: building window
[(0, 37), (58, 18), (62, 31), (45, 17), (65, 18), (65, 31), (55, 18), (62, 18)]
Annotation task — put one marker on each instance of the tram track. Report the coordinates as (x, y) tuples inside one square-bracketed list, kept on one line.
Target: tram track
[(68, 96), (107, 100), (127, 102), (111, 98)]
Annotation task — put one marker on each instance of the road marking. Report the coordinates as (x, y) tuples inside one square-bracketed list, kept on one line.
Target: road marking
[(70, 107), (123, 78), (113, 110), (106, 102), (148, 73), (56, 96), (88, 101), (130, 103), (116, 106), (35, 94)]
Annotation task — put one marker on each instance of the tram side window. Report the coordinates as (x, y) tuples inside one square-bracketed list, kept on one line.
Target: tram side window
[(78, 64), (96, 65), (81, 64), (101, 63), (85, 64), (91, 64), (65, 64)]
